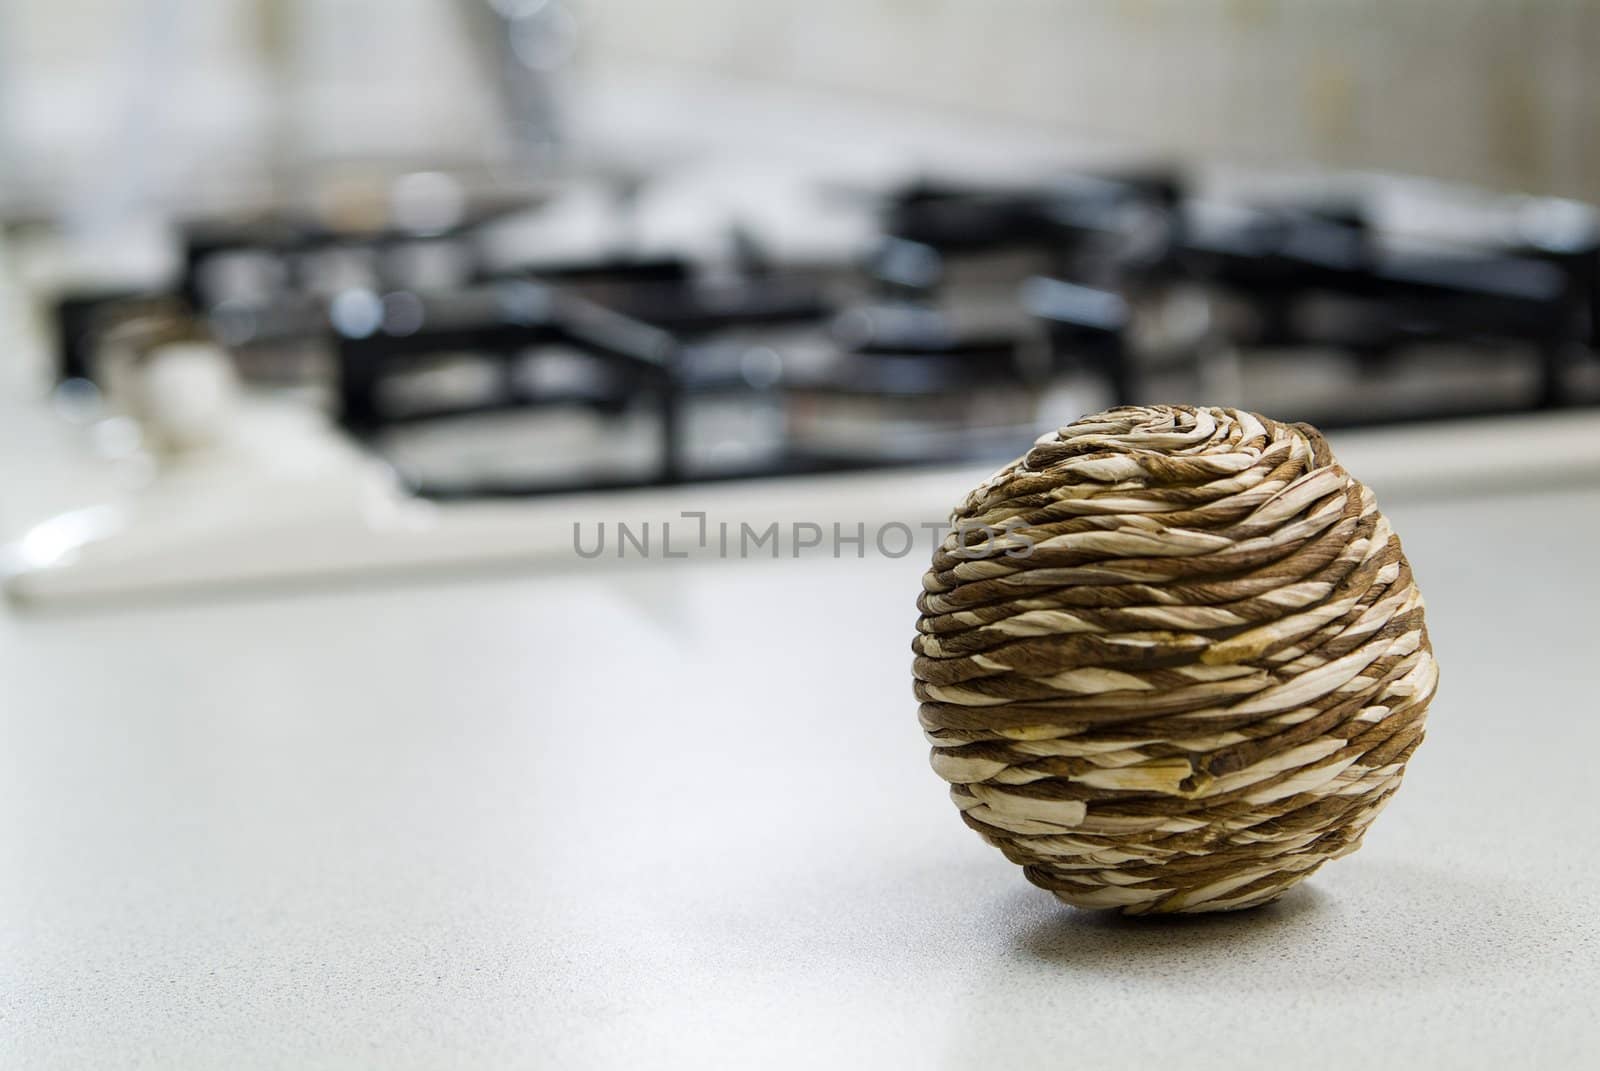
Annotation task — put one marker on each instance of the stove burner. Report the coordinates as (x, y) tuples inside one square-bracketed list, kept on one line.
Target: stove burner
[(940, 345)]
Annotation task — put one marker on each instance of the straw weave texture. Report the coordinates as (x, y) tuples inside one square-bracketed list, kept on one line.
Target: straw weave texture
[(1189, 669)]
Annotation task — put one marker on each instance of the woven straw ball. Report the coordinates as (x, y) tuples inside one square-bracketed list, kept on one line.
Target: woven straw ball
[(1172, 659)]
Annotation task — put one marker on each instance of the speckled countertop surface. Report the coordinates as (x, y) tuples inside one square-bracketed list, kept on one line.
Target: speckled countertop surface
[(679, 813)]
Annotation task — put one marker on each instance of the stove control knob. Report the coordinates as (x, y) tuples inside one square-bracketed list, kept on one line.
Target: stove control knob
[(189, 396)]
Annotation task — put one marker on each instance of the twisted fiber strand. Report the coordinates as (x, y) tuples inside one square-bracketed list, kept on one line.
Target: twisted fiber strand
[(1196, 677)]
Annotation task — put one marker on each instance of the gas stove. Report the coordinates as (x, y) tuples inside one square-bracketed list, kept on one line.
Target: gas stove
[(965, 320)]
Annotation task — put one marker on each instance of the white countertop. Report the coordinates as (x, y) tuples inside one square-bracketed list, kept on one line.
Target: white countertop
[(679, 813)]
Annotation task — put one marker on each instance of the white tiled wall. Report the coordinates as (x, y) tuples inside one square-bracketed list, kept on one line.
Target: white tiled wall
[(91, 90), (1502, 92)]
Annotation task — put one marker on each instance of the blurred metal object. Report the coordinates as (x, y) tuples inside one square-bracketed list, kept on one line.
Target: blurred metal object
[(527, 44), (985, 314)]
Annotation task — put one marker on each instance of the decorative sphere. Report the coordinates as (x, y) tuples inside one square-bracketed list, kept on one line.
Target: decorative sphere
[(1172, 659)]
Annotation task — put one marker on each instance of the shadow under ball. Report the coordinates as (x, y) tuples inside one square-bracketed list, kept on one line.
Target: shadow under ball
[(1172, 659)]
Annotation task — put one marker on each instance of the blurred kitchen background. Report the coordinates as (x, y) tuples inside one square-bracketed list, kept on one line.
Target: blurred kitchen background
[(266, 259)]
